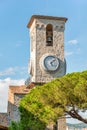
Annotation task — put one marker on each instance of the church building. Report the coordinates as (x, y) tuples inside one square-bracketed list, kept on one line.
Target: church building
[(47, 62)]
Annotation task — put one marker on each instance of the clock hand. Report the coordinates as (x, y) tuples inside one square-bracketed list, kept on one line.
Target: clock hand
[(53, 61)]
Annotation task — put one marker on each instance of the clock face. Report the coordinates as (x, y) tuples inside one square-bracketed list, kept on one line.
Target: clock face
[(50, 63)]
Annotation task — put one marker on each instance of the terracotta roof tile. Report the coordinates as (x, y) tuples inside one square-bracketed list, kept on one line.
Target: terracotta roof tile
[(18, 89)]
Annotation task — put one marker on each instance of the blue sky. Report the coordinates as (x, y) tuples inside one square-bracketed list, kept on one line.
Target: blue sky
[(14, 36)]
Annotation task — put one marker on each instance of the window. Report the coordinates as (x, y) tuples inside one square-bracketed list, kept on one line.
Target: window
[(49, 35)]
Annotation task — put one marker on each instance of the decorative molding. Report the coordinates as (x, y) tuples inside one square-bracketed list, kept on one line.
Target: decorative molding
[(59, 28)]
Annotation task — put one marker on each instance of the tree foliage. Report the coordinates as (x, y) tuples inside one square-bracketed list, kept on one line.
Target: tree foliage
[(44, 104), (15, 126)]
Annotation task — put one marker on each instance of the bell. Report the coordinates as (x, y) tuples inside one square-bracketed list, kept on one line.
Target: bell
[(49, 39)]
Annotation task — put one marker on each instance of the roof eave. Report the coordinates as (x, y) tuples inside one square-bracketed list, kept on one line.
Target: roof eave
[(45, 17)]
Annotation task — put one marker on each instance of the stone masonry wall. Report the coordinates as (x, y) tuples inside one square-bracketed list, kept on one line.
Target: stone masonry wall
[(61, 123), (15, 94), (4, 119), (16, 113), (38, 34), (57, 49)]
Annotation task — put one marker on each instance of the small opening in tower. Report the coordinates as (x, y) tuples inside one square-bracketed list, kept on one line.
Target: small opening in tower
[(9, 113), (49, 35)]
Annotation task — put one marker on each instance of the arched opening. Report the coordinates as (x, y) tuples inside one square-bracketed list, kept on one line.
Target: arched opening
[(49, 35)]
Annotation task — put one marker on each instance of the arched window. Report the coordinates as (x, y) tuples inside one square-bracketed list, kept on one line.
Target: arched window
[(49, 35)]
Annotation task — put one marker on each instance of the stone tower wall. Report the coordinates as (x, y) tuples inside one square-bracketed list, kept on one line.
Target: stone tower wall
[(39, 48), (61, 123)]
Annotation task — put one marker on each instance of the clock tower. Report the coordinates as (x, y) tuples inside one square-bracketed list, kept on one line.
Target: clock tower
[(46, 48)]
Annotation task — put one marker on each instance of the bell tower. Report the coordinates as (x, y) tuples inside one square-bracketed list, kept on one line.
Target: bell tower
[(46, 48)]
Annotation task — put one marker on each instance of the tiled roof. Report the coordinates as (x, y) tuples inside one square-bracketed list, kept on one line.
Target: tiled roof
[(18, 89), (30, 86), (23, 89)]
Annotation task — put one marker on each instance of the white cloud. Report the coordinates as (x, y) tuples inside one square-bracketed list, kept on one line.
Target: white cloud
[(68, 53), (13, 70), (74, 42), (4, 85), (8, 71), (9, 81), (78, 51), (19, 43)]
